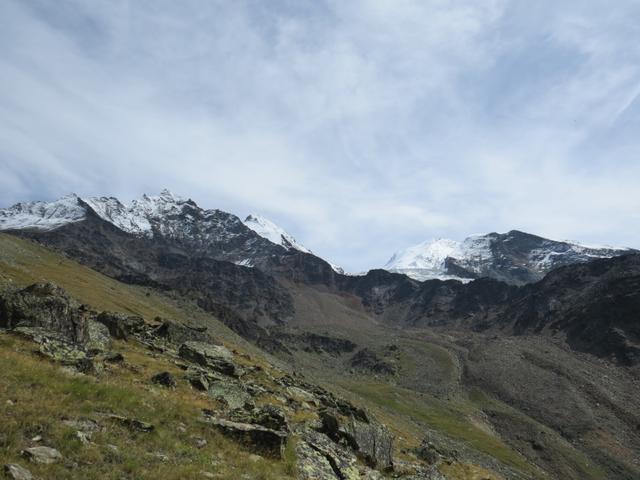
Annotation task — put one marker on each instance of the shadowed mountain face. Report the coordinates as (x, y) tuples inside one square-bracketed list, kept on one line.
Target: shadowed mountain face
[(171, 243)]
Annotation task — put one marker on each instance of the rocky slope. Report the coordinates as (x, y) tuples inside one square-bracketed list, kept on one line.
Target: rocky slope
[(264, 410), (514, 257)]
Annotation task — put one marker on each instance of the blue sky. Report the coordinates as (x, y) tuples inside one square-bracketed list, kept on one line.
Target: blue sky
[(361, 127)]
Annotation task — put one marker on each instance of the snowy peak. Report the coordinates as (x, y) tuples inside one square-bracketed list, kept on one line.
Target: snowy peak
[(42, 216), (275, 234), (515, 257), (272, 232), (425, 260)]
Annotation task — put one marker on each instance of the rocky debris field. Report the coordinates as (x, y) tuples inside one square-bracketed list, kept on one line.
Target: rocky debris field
[(272, 415)]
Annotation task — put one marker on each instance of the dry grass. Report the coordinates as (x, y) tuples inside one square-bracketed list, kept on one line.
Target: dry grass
[(37, 395)]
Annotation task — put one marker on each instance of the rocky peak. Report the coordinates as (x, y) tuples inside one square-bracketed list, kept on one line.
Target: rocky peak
[(514, 257)]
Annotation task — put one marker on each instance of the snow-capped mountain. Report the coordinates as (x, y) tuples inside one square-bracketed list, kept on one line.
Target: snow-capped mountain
[(42, 216), (164, 217), (272, 232), (515, 257)]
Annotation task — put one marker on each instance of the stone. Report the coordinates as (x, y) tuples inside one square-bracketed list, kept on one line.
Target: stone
[(122, 326), (312, 465), (257, 438), (98, 338), (16, 472), (343, 463), (178, 333), (428, 452), (214, 357), (268, 416), (371, 440), (198, 379), (44, 455), (45, 306), (130, 423), (230, 393), (82, 424), (165, 379)]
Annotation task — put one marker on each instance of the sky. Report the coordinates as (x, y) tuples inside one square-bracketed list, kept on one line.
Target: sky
[(361, 127)]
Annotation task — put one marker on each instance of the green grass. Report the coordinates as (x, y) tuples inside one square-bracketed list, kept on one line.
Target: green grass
[(448, 417), (37, 395), (571, 457)]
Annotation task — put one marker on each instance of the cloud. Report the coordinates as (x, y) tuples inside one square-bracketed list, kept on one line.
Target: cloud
[(359, 126)]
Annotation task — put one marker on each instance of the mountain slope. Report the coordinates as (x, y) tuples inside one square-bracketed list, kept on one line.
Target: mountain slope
[(514, 257)]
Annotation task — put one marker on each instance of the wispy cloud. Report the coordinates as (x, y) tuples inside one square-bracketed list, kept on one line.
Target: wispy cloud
[(360, 126)]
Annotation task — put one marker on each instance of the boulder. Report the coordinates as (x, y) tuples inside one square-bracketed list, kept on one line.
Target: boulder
[(312, 465), (178, 333), (230, 393), (268, 416), (98, 338), (343, 463), (370, 440), (16, 472), (44, 455), (165, 379), (45, 306), (214, 357), (257, 438), (122, 326)]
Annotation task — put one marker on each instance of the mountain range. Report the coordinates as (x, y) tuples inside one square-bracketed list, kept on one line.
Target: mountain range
[(500, 338)]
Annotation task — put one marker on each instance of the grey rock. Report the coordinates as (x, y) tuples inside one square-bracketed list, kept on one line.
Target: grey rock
[(165, 379), (230, 393), (215, 357), (257, 438), (268, 416), (371, 440), (98, 338), (44, 455), (122, 326), (178, 333), (16, 472), (312, 465), (343, 462), (130, 423), (45, 306)]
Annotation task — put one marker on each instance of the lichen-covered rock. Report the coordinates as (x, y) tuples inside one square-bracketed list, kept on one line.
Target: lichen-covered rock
[(343, 463), (44, 455), (231, 393), (268, 416), (259, 439), (122, 326), (312, 465), (214, 357), (98, 338), (16, 472), (45, 306), (371, 440)]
